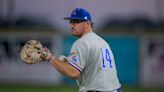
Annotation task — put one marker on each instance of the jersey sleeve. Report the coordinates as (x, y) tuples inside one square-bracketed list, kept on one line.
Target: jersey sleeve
[(77, 57)]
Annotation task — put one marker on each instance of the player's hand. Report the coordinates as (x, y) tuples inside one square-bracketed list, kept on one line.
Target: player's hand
[(45, 54)]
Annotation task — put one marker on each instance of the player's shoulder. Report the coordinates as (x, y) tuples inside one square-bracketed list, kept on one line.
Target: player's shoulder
[(87, 40), (89, 36), (79, 43)]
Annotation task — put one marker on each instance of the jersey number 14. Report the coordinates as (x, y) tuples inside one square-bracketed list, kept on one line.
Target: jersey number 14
[(106, 58)]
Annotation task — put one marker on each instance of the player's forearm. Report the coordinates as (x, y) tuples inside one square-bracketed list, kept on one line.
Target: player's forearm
[(65, 68)]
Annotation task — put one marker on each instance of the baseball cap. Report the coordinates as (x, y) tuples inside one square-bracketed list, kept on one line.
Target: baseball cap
[(80, 14)]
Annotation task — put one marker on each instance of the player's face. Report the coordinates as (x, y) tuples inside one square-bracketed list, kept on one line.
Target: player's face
[(77, 27)]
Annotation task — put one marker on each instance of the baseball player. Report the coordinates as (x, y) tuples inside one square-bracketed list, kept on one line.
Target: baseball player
[(91, 60)]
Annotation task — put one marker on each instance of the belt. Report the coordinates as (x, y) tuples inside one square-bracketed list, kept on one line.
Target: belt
[(118, 90)]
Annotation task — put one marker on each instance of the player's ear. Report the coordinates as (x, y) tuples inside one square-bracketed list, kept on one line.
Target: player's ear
[(88, 24)]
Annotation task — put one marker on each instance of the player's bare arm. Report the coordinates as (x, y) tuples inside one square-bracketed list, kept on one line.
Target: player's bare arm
[(65, 68)]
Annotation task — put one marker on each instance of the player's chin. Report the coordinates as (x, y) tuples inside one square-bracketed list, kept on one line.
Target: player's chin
[(74, 34)]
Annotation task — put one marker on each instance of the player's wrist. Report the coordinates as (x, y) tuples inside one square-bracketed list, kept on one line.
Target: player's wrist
[(49, 57), (52, 57), (62, 58), (46, 54)]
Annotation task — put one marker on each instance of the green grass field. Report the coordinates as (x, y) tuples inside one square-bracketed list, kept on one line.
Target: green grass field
[(65, 88)]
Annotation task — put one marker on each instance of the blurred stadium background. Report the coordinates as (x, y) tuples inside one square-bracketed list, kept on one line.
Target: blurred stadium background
[(133, 28)]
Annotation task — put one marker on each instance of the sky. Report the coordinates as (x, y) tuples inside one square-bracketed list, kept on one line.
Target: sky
[(55, 10)]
